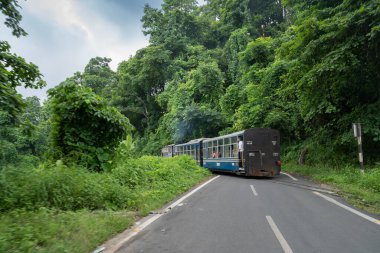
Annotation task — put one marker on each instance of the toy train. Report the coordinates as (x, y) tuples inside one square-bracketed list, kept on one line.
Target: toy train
[(252, 152)]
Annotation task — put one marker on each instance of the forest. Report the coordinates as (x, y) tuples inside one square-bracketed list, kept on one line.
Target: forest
[(307, 68)]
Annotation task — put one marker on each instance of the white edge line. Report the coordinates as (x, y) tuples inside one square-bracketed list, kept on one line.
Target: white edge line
[(253, 190), (285, 246), (190, 193), (136, 230), (369, 218), (295, 179)]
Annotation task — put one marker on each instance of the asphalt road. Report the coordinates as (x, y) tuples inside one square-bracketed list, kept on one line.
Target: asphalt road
[(240, 215)]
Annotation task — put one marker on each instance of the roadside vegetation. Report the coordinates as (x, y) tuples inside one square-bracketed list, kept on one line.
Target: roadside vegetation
[(359, 189), (79, 167), (70, 209)]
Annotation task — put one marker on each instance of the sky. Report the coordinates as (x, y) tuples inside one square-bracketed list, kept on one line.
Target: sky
[(63, 35)]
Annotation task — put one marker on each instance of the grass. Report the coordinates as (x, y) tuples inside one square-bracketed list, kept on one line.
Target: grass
[(68, 209), (53, 231), (362, 190)]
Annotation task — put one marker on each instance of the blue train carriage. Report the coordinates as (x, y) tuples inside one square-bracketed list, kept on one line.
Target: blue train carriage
[(260, 155), (168, 151), (192, 148)]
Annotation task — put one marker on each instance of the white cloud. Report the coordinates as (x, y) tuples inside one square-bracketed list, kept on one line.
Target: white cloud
[(102, 37), (65, 34)]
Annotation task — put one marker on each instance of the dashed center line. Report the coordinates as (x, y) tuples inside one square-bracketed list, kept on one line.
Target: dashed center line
[(286, 174), (253, 190), (285, 246)]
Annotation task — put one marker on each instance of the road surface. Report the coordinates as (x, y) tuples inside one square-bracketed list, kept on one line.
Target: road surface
[(234, 214)]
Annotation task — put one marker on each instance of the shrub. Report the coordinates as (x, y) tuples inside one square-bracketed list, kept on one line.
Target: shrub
[(131, 184), (84, 127)]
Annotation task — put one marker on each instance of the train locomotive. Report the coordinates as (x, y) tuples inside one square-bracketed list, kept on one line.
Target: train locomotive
[(259, 153)]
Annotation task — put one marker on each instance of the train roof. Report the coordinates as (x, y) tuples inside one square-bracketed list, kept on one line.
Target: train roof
[(226, 136), (192, 142), (214, 138)]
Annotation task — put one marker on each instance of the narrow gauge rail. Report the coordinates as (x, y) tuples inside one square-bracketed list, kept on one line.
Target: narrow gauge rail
[(260, 155)]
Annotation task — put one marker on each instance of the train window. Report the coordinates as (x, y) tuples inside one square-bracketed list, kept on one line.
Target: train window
[(234, 139), (209, 152), (220, 151), (215, 143), (213, 155), (220, 142), (235, 150), (226, 151), (226, 141)]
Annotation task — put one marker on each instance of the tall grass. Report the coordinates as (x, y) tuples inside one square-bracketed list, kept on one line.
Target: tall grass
[(40, 207), (360, 189)]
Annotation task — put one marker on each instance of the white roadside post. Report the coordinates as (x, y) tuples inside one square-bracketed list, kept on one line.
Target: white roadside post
[(358, 134)]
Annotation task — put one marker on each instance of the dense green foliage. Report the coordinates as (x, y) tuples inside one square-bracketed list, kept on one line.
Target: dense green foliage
[(19, 140), (309, 69), (84, 127), (38, 204), (134, 184), (14, 70), (24, 140)]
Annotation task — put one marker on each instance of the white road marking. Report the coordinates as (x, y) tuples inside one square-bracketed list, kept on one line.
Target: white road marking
[(253, 190), (190, 193), (286, 174), (348, 208), (134, 231), (285, 246)]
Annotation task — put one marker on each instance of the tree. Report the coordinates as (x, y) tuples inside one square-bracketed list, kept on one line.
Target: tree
[(174, 27), (13, 16), (334, 51), (234, 46), (141, 79), (85, 128), (99, 77), (14, 70), (206, 82), (25, 139)]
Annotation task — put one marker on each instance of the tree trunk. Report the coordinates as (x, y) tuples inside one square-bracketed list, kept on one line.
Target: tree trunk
[(302, 157)]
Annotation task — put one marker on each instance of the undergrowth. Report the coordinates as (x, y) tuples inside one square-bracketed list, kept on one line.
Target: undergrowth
[(360, 189), (55, 208)]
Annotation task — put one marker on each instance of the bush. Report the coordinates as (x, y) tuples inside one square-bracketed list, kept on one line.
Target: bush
[(131, 184), (60, 187), (37, 204), (84, 127)]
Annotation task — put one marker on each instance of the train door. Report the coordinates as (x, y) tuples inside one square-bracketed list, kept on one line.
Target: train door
[(254, 162), (200, 153), (197, 158), (263, 151)]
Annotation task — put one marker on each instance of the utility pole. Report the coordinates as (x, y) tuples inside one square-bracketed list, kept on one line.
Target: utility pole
[(357, 128)]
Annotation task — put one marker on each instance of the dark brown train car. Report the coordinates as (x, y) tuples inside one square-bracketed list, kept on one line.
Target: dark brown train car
[(261, 156)]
